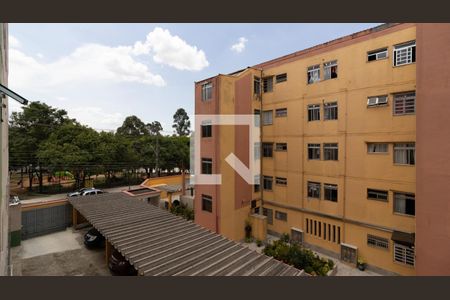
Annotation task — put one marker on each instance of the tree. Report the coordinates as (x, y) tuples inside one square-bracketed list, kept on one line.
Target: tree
[(132, 126), (28, 130), (154, 128), (181, 122)]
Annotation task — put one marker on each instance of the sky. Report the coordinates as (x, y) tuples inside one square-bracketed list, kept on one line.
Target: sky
[(102, 73)]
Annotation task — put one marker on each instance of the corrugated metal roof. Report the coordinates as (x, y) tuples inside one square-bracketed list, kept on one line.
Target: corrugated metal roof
[(157, 242)]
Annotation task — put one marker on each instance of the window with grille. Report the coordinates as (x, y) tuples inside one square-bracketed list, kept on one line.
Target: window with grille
[(313, 112), (281, 180), (313, 151), (280, 215), (405, 103), (404, 254), (377, 242), (405, 203), (377, 101), (405, 153), (314, 189), (281, 78), (330, 151), (330, 111), (281, 112), (206, 166), (377, 54), (267, 182), (267, 149), (268, 84), (313, 74), (377, 147), (207, 203), (267, 117), (377, 195), (206, 91), (330, 192), (281, 146), (256, 85), (330, 70), (405, 53)]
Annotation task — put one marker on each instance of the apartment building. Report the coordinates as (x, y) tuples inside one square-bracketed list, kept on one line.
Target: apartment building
[(338, 148)]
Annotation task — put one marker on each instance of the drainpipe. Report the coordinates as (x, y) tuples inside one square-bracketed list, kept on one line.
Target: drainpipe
[(261, 189)]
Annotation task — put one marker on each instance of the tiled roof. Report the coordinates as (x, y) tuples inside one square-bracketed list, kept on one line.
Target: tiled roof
[(157, 242)]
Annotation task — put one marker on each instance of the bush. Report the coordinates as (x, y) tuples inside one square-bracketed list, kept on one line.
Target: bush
[(258, 243), (182, 211), (299, 257), (285, 237)]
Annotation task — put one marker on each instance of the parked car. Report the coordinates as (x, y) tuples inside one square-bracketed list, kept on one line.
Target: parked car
[(118, 265), (94, 239), (79, 192), (85, 192)]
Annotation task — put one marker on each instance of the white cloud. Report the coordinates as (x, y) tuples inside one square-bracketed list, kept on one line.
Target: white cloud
[(171, 50), (240, 45), (40, 55), (13, 42), (97, 117)]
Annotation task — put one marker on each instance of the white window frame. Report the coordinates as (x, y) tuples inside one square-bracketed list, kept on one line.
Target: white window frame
[(314, 109), (281, 181), (330, 187), (330, 109), (374, 101), (373, 148), (267, 117), (403, 101), (327, 69), (411, 146), (404, 49), (404, 255), (315, 74), (334, 148), (313, 146), (207, 91), (314, 187), (281, 112), (378, 53)]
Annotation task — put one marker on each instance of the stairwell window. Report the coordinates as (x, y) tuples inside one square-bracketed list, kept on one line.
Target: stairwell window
[(330, 151), (207, 203), (206, 129), (377, 54), (268, 84), (267, 183), (330, 70), (330, 111), (314, 189), (206, 166), (405, 103), (267, 117), (267, 149), (206, 91), (313, 74), (405, 204), (330, 192), (256, 85), (405, 153), (314, 151), (313, 112), (405, 54)]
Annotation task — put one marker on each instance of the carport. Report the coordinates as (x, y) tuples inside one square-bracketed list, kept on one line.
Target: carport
[(158, 243)]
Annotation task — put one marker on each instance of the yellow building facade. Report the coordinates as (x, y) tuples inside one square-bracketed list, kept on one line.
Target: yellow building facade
[(337, 147)]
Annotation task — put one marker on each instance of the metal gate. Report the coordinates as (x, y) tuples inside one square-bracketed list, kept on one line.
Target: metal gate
[(40, 221)]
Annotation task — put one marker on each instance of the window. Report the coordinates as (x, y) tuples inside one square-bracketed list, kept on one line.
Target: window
[(330, 192), (330, 70), (257, 149), (257, 117), (377, 195), (269, 214), (307, 225), (313, 112), (267, 149), (313, 151), (206, 130), (313, 74), (206, 91), (281, 78), (281, 180), (377, 101), (267, 182), (314, 189), (377, 54), (206, 166), (297, 235), (268, 84), (405, 153), (377, 242), (267, 117), (256, 186), (207, 203), (404, 254), (281, 146), (281, 112), (280, 215), (253, 204), (330, 151), (405, 53), (405, 103), (377, 147), (330, 111), (404, 204), (256, 85)]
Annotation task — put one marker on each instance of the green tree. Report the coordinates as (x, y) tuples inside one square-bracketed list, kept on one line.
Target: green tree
[(132, 126), (154, 128), (181, 122)]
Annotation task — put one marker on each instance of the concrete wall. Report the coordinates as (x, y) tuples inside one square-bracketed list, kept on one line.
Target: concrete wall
[(433, 149), (4, 191)]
